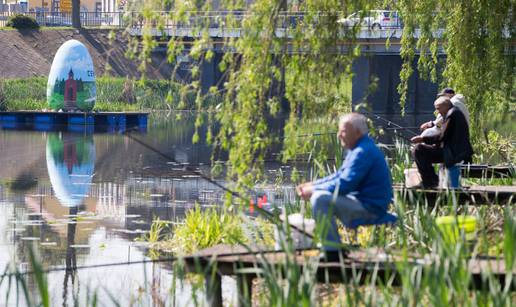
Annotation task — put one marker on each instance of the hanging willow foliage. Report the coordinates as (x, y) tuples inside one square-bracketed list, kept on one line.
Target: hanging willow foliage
[(478, 40), (276, 61)]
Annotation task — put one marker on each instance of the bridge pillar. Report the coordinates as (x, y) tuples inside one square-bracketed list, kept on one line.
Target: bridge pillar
[(384, 97), (210, 73)]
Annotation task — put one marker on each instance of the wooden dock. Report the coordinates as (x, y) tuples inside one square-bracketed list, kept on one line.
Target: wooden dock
[(73, 121), (359, 267), (474, 195), (487, 171)]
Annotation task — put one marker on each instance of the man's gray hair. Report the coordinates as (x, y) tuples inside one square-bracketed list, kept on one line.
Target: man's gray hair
[(356, 120), (444, 101)]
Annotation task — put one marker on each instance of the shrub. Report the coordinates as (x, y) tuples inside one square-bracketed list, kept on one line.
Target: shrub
[(20, 21)]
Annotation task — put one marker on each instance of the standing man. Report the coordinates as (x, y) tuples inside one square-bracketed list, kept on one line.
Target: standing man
[(360, 189), (451, 146)]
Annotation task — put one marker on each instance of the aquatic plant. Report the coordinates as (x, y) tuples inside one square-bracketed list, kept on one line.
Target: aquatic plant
[(399, 160), (203, 228), (447, 280), (15, 277)]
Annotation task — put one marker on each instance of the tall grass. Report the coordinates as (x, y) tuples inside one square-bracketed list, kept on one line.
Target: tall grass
[(113, 94), (205, 228), (400, 160), (444, 280)]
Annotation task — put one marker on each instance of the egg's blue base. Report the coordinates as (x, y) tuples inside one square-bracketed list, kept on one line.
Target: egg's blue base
[(74, 121)]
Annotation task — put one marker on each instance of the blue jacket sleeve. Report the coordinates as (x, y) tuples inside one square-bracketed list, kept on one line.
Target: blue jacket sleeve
[(348, 178), (326, 179)]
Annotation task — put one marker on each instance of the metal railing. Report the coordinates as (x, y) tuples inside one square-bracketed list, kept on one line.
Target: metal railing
[(62, 19), (210, 19)]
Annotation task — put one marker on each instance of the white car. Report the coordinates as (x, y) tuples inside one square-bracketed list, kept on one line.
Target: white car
[(374, 19)]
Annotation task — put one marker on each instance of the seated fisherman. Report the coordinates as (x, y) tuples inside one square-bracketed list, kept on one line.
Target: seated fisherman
[(433, 127), (362, 184), (451, 146)]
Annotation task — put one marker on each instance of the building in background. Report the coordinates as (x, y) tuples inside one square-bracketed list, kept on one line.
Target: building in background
[(64, 6), (12, 6)]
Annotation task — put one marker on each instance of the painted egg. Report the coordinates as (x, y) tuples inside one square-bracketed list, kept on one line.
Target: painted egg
[(71, 81), (70, 165)]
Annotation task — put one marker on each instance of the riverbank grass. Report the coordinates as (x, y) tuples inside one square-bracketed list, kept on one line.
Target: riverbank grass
[(113, 94)]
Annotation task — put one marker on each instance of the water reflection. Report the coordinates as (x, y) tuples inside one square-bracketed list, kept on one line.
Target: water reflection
[(88, 197), (70, 165), (70, 160)]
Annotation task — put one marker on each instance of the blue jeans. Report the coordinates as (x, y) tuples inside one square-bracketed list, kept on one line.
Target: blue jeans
[(345, 208)]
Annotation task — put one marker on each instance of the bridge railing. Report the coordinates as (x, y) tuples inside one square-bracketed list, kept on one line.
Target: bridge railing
[(64, 19), (210, 19), (233, 19)]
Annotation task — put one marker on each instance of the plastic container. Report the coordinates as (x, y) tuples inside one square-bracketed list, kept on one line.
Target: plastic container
[(451, 227), (449, 177), (300, 240)]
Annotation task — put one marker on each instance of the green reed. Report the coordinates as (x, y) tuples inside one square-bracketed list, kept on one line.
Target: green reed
[(446, 280), (113, 94)]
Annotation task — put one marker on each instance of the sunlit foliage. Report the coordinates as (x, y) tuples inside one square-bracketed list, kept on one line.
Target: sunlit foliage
[(276, 61)]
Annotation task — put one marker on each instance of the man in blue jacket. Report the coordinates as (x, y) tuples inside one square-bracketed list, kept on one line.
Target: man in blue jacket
[(360, 189)]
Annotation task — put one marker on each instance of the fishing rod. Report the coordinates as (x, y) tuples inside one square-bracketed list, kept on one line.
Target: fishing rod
[(266, 213), (393, 129), (389, 122), (390, 126), (402, 128)]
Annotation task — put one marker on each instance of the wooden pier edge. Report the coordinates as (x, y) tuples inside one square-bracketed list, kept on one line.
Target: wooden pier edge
[(224, 260), (50, 120)]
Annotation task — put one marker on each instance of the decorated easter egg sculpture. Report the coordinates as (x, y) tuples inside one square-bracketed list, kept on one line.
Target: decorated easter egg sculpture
[(71, 81)]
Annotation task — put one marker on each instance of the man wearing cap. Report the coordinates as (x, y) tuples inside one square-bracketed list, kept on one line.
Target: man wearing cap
[(451, 146), (457, 100)]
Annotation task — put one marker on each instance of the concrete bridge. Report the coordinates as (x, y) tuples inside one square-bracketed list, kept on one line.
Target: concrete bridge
[(379, 60)]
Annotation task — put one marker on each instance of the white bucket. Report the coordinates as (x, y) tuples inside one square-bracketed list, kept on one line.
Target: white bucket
[(299, 238), (412, 177)]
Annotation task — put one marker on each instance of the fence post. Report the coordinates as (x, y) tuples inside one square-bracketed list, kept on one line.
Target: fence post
[(213, 283)]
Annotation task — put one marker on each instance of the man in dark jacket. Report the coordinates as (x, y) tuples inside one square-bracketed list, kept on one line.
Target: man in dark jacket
[(451, 146)]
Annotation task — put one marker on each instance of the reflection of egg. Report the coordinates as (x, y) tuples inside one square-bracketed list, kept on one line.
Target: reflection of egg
[(71, 81), (71, 180)]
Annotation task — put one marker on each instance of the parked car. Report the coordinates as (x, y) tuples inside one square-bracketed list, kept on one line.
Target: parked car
[(374, 19), (57, 20)]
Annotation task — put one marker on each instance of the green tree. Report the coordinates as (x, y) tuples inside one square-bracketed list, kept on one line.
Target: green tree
[(307, 61)]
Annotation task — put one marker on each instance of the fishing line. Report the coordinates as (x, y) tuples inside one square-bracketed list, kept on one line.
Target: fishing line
[(145, 261), (389, 122), (266, 213)]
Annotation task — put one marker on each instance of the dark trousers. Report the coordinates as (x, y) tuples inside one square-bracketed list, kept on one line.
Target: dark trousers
[(425, 155)]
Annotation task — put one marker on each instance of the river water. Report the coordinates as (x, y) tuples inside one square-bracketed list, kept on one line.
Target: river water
[(84, 199)]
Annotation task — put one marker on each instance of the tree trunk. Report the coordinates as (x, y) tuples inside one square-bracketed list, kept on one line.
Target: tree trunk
[(76, 14)]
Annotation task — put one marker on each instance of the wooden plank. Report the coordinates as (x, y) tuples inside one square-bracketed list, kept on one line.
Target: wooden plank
[(472, 195), (487, 171), (363, 263)]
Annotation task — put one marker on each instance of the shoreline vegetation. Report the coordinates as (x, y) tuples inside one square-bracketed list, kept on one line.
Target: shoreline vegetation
[(113, 94), (315, 83), (443, 283)]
